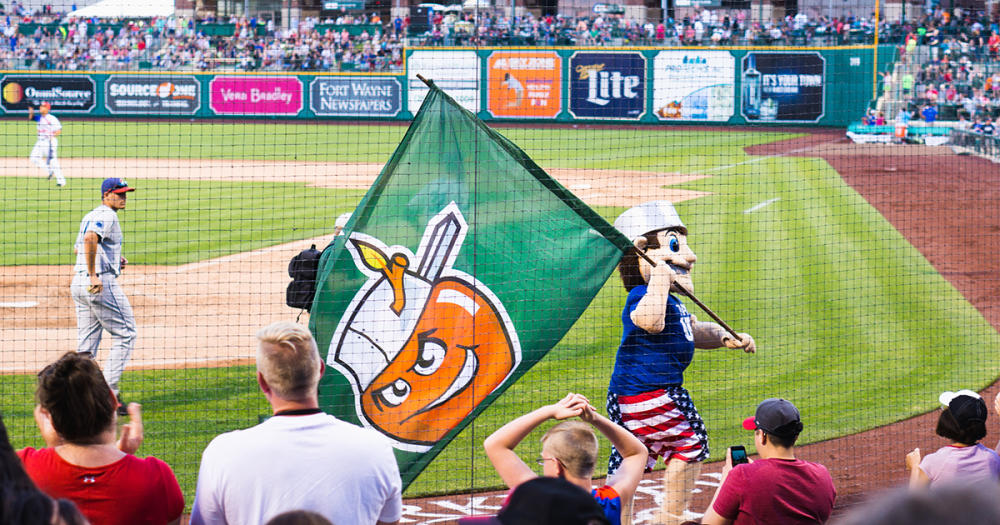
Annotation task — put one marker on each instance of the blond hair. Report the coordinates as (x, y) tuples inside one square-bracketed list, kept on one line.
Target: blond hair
[(574, 444), (288, 359)]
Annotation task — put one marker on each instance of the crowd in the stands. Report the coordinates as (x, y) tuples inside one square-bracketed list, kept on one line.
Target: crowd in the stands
[(56, 41)]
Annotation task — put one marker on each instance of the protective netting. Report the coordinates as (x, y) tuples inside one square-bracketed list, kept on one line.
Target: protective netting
[(475, 277)]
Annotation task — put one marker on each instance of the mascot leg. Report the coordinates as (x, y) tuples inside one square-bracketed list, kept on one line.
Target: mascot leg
[(678, 482)]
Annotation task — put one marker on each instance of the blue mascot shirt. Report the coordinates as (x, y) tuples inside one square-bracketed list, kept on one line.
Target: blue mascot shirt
[(646, 361)]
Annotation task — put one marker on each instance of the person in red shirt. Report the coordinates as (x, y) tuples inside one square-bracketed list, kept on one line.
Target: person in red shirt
[(76, 414), (778, 487)]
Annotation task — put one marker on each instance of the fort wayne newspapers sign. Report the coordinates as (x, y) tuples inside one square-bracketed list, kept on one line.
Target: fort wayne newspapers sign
[(355, 97)]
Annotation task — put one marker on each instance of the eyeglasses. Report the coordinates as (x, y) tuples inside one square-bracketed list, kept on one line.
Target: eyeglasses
[(543, 459)]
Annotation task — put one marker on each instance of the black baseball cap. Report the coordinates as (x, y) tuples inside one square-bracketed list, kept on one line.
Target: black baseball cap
[(777, 417), (115, 185), (965, 406), (546, 501)]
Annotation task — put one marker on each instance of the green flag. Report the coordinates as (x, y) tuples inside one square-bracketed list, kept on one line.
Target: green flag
[(463, 265)]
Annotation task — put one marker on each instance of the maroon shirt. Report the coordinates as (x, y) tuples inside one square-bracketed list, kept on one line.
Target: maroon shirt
[(776, 491), (128, 491)]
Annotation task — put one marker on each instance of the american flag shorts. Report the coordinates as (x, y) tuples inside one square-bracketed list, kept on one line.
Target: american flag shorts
[(665, 420)]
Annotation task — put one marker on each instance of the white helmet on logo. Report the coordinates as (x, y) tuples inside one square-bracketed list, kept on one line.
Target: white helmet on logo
[(648, 217)]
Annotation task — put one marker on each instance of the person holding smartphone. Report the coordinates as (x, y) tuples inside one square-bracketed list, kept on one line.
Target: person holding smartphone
[(778, 487)]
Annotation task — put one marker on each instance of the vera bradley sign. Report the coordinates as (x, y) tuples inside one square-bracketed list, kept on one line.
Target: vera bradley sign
[(256, 96)]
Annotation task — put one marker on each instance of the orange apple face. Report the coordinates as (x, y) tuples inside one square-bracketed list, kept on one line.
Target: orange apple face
[(458, 354)]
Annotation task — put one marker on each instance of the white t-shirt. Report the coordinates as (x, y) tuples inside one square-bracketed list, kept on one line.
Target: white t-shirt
[(48, 125), (103, 221), (314, 462)]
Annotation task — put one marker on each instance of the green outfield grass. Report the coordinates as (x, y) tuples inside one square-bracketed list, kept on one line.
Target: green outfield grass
[(851, 322)]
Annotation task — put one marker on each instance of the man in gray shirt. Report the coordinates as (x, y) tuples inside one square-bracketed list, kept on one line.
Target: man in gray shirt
[(100, 302)]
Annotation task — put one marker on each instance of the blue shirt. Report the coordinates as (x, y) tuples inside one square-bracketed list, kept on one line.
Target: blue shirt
[(647, 362)]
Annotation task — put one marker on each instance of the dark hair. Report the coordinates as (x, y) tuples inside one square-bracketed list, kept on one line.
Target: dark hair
[(12, 472), (949, 428), (75, 394), (628, 267), (299, 517)]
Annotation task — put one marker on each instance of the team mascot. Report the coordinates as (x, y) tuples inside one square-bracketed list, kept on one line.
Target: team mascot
[(659, 336)]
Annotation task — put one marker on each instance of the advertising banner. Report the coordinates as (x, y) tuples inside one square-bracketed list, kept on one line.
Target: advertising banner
[(694, 85), (524, 84), (145, 95), (66, 94), (783, 87), (607, 85), (455, 72), (255, 96), (355, 97)]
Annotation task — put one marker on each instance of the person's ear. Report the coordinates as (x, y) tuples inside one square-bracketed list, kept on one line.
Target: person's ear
[(263, 383), (641, 243)]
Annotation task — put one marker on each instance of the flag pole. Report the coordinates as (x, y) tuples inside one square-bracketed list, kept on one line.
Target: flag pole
[(687, 293)]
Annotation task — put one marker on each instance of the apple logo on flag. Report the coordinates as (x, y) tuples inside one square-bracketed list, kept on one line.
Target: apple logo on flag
[(422, 343)]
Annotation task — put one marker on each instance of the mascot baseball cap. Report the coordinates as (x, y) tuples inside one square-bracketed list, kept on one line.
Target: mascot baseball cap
[(115, 185), (965, 406), (777, 417), (545, 501), (648, 217)]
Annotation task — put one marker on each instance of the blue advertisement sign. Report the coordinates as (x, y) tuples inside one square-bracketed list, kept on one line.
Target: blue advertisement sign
[(355, 97), (783, 87), (607, 85)]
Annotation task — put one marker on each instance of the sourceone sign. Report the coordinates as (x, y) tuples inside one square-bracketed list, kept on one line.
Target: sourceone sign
[(142, 95), (783, 87), (355, 97), (256, 96), (66, 94), (607, 85), (524, 84)]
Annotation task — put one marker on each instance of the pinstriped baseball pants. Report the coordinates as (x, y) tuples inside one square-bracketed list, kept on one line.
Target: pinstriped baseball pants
[(108, 310)]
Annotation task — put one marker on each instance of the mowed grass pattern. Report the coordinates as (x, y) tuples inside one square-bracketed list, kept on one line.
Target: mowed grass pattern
[(850, 320)]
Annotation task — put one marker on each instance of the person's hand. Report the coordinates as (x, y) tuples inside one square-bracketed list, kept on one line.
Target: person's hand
[(124, 261), (132, 432), (588, 413), (913, 458), (569, 406), (95, 284), (745, 342), (996, 404)]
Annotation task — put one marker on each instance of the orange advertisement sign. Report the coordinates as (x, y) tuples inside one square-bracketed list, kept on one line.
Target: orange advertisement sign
[(525, 84)]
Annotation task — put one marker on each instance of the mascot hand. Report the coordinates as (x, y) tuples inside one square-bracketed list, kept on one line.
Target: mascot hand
[(746, 343), (662, 275)]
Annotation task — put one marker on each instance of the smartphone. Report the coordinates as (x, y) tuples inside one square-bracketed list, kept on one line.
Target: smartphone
[(738, 454)]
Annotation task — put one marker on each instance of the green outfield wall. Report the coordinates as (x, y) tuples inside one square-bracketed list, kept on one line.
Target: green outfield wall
[(725, 86)]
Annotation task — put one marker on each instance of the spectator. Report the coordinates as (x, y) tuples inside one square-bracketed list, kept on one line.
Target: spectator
[(777, 488), (988, 128), (545, 501), (975, 504), (929, 113), (569, 451), (300, 458), (963, 422), (76, 415)]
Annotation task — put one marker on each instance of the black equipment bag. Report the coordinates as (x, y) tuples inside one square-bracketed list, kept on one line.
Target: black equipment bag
[(302, 269)]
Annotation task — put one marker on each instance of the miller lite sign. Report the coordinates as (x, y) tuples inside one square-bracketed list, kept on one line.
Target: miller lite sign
[(607, 85)]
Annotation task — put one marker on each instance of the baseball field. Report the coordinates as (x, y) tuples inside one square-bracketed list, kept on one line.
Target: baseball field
[(855, 269)]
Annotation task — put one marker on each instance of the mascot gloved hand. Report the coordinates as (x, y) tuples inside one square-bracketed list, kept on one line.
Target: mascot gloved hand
[(659, 336)]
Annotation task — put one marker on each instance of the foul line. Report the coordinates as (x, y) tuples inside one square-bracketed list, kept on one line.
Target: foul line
[(761, 205)]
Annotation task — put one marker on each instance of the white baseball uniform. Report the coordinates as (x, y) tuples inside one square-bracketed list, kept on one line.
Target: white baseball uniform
[(44, 154), (110, 309)]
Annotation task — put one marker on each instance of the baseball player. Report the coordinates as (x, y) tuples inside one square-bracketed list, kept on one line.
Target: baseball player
[(659, 336), (100, 302), (44, 154)]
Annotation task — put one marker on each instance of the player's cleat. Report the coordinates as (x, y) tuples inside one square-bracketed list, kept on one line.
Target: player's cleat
[(50, 175), (122, 407), (61, 183)]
